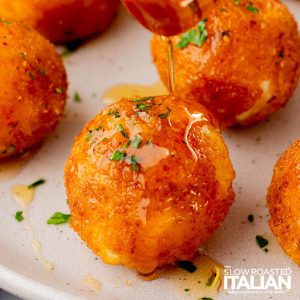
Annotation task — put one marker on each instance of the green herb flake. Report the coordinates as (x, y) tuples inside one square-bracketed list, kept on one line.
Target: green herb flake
[(261, 241), (237, 2), (266, 250), (71, 47), (135, 166), (127, 144), (205, 298), (223, 10), (11, 149), (187, 265), (31, 75), (196, 36), (114, 113), (118, 155), (42, 71), (36, 183), (186, 290), (150, 98), (91, 132), (123, 131), (5, 22), (23, 55), (136, 142), (166, 114), (253, 9), (59, 90), (77, 97), (59, 218), (250, 218), (19, 216), (143, 106)]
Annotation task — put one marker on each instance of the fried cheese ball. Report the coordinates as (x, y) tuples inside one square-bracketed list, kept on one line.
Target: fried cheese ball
[(148, 181), (32, 88), (62, 20), (284, 201), (246, 69)]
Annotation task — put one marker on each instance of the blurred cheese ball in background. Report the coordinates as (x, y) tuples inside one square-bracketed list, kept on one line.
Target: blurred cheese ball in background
[(148, 181), (32, 88), (62, 20), (284, 201), (246, 69)]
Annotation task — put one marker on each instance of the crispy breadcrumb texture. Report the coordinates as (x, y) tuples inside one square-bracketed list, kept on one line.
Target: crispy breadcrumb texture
[(148, 181), (33, 88), (62, 21), (247, 68), (284, 201)]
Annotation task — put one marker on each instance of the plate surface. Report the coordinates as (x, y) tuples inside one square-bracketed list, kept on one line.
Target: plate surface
[(121, 55)]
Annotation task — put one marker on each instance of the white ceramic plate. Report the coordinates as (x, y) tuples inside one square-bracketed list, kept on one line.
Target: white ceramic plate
[(122, 55)]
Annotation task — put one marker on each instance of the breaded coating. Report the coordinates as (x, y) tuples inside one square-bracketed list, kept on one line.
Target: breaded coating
[(284, 201), (62, 21), (148, 181), (32, 88), (247, 68)]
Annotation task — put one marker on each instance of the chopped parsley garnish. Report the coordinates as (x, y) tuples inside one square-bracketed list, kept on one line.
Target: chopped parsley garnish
[(261, 241), (211, 279), (42, 71), (237, 2), (205, 298), (23, 55), (31, 75), (118, 155), (114, 113), (11, 149), (143, 106), (90, 133), (59, 90), (166, 114), (136, 142), (196, 36), (19, 216), (150, 98), (123, 131), (223, 10), (187, 265), (59, 218), (36, 183), (127, 144), (71, 47), (77, 97), (135, 166), (251, 218), (5, 22), (186, 290), (252, 9)]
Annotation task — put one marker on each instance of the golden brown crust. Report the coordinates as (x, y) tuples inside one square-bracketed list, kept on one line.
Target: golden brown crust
[(32, 88), (62, 20), (239, 72), (163, 213), (284, 201)]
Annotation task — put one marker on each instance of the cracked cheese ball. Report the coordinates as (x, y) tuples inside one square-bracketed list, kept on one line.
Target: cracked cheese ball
[(32, 88), (62, 20), (148, 181), (284, 201), (242, 62)]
